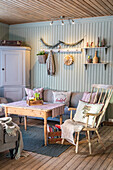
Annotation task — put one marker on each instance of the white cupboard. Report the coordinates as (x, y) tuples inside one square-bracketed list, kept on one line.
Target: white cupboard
[(14, 71)]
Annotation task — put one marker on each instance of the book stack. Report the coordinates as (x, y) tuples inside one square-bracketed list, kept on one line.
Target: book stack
[(54, 133)]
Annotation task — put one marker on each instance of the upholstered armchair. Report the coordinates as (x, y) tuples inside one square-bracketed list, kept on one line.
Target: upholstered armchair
[(2, 100), (7, 142)]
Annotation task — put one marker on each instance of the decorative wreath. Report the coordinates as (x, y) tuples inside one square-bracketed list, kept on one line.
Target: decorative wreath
[(68, 60)]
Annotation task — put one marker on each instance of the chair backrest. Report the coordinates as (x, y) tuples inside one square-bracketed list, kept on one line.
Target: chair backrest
[(103, 95)]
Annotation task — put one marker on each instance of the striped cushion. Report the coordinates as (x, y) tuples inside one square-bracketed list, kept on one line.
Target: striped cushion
[(86, 97)]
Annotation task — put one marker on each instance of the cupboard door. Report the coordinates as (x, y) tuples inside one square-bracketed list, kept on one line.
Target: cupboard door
[(11, 68), (13, 94)]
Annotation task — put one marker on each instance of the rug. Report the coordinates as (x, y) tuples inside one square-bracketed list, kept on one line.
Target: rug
[(33, 140)]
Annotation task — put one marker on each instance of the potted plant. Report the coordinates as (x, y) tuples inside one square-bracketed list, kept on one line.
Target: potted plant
[(89, 60), (42, 56)]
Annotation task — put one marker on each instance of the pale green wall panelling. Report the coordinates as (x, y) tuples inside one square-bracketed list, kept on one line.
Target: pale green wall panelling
[(74, 77), (4, 31)]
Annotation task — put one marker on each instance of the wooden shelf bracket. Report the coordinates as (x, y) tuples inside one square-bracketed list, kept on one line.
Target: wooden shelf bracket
[(106, 49), (105, 66), (85, 66)]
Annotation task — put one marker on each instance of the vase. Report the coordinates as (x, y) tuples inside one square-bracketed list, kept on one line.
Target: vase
[(89, 60), (95, 58)]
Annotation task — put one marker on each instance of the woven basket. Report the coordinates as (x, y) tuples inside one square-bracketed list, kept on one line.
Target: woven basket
[(42, 58)]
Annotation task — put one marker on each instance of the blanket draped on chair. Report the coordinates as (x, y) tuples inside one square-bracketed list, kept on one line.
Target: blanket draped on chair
[(11, 129), (68, 128)]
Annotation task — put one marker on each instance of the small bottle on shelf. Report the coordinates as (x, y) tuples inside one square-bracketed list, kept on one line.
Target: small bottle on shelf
[(98, 42), (87, 45), (103, 42), (95, 58), (91, 44)]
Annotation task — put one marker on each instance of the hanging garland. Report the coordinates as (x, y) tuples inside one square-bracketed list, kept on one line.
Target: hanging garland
[(49, 46), (71, 45), (61, 42)]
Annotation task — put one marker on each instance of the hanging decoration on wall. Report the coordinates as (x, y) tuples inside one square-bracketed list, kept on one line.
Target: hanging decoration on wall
[(61, 42), (49, 46), (71, 45), (68, 60)]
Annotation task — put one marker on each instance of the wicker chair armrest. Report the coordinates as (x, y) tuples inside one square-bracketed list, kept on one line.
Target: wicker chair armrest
[(71, 108), (92, 114)]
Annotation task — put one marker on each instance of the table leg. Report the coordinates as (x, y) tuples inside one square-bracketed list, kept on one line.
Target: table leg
[(45, 129), (60, 119), (6, 112), (25, 122)]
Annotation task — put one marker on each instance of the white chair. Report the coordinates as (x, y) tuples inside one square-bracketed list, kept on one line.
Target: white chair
[(88, 115)]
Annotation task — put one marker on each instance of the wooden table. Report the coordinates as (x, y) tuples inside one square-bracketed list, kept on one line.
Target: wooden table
[(43, 111)]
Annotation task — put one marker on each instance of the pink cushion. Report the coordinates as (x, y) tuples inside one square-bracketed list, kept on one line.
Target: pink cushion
[(86, 97), (30, 93)]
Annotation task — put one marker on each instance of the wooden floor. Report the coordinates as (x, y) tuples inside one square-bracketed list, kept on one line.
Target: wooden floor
[(100, 159)]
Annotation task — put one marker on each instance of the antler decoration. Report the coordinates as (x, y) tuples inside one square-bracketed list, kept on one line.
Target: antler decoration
[(71, 45), (61, 42), (50, 46)]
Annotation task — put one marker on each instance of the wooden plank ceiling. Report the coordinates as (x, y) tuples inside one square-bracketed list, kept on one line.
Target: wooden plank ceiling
[(26, 11)]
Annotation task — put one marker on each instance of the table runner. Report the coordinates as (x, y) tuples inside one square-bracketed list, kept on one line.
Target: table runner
[(57, 108)]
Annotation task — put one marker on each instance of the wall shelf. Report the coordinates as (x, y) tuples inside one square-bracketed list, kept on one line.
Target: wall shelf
[(104, 63), (87, 48)]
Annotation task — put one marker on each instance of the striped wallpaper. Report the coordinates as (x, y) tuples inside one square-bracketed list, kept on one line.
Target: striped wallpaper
[(4, 31), (74, 77)]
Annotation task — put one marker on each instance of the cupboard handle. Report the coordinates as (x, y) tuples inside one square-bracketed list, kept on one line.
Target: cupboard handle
[(3, 69)]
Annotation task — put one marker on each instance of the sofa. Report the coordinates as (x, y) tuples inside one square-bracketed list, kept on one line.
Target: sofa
[(74, 99), (47, 96)]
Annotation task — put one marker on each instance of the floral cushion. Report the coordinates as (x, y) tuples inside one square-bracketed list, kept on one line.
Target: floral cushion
[(62, 97), (30, 93), (86, 97), (84, 107)]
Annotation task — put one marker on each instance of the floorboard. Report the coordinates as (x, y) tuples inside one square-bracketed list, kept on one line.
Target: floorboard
[(100, 159)]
